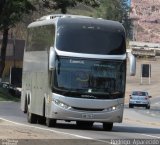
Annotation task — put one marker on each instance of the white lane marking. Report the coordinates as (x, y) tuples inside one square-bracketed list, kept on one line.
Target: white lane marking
[(79, 136), (40, 128), (21, 124), (151, 136)]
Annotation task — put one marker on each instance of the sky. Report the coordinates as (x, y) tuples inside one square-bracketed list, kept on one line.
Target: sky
[(129, 2)]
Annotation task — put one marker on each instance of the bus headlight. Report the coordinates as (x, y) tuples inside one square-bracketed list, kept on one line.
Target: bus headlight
[(113, 108), (61, 104)]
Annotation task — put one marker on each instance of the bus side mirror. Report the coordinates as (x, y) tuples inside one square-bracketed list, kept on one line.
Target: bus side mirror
[(132, 60), (52, 55)]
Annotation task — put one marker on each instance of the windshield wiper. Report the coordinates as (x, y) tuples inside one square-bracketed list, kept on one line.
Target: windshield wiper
[(115, 93), (64, 91)]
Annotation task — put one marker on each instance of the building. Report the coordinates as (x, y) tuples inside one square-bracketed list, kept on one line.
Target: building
[(14, 55)]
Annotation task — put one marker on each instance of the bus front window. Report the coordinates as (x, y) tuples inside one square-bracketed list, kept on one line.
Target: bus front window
[(89, 38), (89, 77)]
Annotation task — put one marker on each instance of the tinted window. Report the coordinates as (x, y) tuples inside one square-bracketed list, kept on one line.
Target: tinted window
[(102, 78), (146, 70), (139, 93), (92, 39), (40, 38)]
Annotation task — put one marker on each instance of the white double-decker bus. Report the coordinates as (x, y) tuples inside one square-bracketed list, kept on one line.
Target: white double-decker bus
[(74, 69)]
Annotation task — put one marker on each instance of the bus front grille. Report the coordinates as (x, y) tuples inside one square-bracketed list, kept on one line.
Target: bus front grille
[(87, 109)]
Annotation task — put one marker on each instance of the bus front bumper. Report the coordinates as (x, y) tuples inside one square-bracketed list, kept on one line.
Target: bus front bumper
[(62, 112)]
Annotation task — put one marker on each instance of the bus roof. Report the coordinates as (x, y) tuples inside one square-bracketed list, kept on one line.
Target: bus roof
[(66, 18), (61, 16)]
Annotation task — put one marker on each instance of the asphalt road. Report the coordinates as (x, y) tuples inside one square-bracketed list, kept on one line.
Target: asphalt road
[(138, 123)]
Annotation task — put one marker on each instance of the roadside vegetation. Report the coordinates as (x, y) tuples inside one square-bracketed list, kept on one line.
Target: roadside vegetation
[(6, 96)]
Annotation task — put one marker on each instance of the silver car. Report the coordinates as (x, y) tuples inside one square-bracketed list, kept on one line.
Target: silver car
[(139, 99)]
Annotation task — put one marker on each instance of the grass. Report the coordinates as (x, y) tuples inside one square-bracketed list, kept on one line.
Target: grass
[(5, 96)]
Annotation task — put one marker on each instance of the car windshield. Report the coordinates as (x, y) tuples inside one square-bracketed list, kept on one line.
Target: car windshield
[(88, 76), (138, 93)]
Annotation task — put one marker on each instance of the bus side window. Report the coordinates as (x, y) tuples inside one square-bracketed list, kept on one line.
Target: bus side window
[(40, 38)]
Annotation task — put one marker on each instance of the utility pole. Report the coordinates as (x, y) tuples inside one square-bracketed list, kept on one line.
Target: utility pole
[(14, 49), (13, 38)]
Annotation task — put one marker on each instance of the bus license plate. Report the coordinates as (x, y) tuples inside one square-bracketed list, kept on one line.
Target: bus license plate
[(88, 116)]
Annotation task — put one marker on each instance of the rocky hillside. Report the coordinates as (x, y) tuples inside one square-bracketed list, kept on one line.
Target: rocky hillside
[(146, 19)]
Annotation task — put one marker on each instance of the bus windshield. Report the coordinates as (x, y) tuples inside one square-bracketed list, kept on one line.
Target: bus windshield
[(90, 38), (98, 77)]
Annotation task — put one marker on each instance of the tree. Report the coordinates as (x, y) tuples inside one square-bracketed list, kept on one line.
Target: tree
[(11, 12), (2, 2), (64, 4), (126, 21), (117, 10)]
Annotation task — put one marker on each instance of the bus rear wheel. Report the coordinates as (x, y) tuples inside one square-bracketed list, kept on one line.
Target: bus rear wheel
[(50, 122), (107, 126), (25, 106)]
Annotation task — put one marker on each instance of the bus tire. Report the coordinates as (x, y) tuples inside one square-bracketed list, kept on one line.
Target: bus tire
[(32, 118), (107, 126), (25, 106), (50, 122), (41, 120)]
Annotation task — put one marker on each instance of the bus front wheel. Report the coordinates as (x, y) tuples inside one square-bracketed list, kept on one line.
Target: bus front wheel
[(107, 126), (50, 122)]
